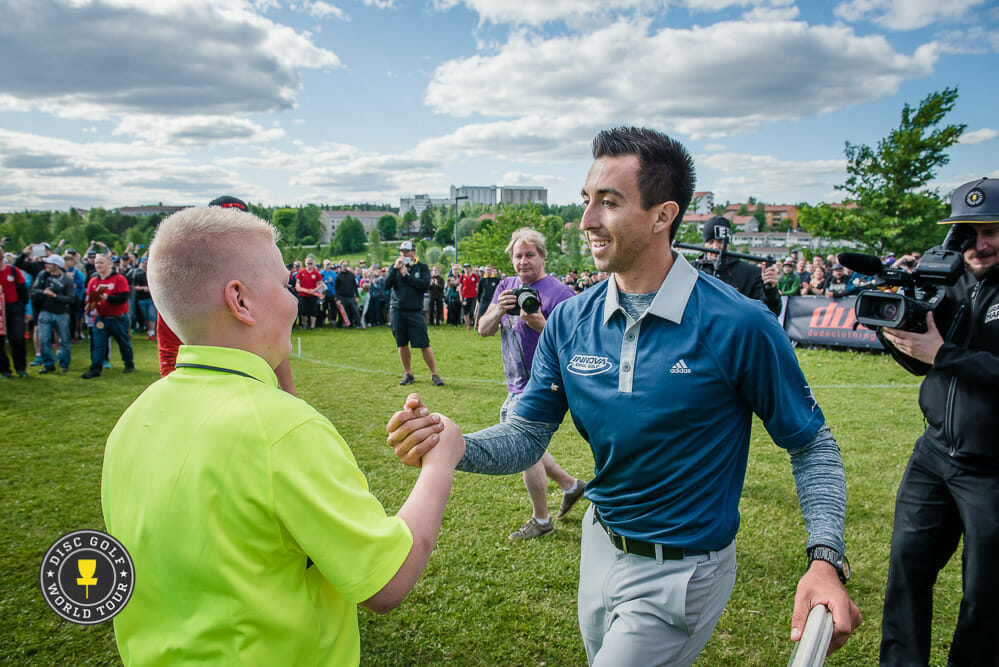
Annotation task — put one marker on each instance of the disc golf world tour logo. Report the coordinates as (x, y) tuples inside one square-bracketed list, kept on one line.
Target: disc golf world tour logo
[(87, 577)]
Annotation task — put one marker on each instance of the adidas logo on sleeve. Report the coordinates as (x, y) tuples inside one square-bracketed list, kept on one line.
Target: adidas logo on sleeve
[(680, 367)]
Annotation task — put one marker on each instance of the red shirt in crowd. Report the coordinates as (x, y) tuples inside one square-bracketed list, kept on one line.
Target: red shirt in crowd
[(308, 280), (10, 277), (115, 284), (469, 285)]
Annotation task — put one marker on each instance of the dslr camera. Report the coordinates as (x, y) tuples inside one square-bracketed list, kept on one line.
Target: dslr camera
[(528, 300), (919, 292)]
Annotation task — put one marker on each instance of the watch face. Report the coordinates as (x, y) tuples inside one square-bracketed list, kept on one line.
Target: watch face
[(846, 568)]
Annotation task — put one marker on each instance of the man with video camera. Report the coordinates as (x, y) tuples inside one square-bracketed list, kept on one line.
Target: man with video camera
[(755, 284), (951, 485), (521, 304)]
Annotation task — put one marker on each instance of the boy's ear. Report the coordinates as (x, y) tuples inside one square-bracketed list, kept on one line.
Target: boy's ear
[(238, 301)]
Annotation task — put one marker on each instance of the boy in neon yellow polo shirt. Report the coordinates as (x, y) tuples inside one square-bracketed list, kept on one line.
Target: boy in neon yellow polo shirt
[(252, 530)]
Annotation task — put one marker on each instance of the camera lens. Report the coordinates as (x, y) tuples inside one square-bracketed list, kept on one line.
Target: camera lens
[(888, 310), (528, 303)]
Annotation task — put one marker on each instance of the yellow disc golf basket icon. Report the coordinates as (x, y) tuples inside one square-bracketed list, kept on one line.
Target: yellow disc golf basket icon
[(87, 567)]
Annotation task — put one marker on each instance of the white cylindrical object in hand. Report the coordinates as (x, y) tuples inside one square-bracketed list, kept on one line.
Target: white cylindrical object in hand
[(810, 651)]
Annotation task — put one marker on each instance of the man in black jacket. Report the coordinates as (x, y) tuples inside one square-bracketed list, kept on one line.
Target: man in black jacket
[(345, 288), (756, 284), (409, 279), (53, 292), (951, 485)]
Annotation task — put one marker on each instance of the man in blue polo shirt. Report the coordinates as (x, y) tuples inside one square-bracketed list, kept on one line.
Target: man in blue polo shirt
[(662, 370)]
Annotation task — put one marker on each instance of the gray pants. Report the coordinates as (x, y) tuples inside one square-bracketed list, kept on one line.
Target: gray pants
[(635, 610)]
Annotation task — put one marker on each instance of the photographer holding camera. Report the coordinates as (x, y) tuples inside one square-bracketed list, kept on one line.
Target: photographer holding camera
[(760, 284), (520, 307), (951, 485), (408, 278)]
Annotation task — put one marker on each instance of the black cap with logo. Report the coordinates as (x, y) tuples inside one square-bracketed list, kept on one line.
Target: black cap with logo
[(977, 201)]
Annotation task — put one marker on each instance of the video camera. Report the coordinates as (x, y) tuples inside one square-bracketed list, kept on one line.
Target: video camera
[(919, 292), (528, 300)]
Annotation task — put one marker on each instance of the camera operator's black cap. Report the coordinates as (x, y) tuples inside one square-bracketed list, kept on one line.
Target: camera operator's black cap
[(709, 226), (226, 201), (977, 201)]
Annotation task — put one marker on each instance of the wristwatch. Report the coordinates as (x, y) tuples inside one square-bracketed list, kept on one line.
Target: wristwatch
[(833, 557)]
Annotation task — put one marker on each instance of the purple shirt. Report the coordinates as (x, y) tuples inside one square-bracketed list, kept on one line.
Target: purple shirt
[(517, 340)]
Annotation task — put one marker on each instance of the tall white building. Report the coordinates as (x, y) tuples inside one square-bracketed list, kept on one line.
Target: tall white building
[(419, 203), (514, 194), (477, 194)]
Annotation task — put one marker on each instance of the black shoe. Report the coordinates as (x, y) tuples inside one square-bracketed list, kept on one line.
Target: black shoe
[(129, 369), (436, 379), (408, 379), (46, 370), (91, 374)]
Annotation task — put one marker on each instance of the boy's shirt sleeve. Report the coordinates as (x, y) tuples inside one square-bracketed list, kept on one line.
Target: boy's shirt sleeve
[(322, 501)]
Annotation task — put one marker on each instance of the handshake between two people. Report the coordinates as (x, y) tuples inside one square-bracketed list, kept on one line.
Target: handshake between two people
[(421, 438)]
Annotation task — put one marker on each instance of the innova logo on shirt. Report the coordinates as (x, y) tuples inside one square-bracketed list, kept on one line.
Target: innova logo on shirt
[(588, 364), (992, 314)]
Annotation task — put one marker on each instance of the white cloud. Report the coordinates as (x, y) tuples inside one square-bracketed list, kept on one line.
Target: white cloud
[(714, 148), (770, 14), (976, 39), (43, 172), (322, 10), (704, 81), (767, 177), (522, 179), (380, 4), (904, 14), (979, 136), (98, 58), (195, 131)]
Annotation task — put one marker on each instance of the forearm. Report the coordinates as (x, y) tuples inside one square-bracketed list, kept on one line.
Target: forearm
[(821, 486), (507, 448), (490, 320), (423, 512)]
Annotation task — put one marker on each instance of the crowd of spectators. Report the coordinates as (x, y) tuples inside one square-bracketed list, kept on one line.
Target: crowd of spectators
[(55, 297)]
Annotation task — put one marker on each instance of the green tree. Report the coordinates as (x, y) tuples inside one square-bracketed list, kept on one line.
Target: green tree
[(286, 219), (375, 245), (350, 237), (408, 218), (761, 215), (889, 206), (427, 222), (719, 209), (488, 244), (387, 226), (308, 227)]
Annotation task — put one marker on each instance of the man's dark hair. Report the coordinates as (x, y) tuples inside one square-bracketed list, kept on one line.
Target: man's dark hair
[(665, 168)]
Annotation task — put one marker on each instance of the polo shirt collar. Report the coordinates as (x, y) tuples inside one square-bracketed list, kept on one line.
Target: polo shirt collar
[(227, 360), (671, 299)]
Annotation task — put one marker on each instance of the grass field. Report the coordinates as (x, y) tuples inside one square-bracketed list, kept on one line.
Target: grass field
[(482, 600)]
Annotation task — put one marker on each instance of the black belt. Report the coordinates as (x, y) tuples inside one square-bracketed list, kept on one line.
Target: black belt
[(630, 545)]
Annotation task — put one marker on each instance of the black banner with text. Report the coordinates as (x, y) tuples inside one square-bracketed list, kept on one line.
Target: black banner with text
[(818, 320)]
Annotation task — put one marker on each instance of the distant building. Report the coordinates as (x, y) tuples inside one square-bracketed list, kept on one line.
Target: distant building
[(477, 194), (701, 202), (419, 203), (740, 223), (513, 194), (773, 214), (331, 219), (150, 210)]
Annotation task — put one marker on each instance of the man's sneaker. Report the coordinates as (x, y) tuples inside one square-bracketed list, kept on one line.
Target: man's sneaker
[(107, 364), (436, 379), (570, 498), (408, 379), (532, 529), (5, 376), (91, 374), (129, 369), (22, 374), (37, 362)]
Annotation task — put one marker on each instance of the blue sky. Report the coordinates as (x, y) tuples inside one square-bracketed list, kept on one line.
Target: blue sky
[(125, 102)]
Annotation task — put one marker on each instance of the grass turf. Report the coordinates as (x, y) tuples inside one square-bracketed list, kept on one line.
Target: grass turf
[(482, 599)]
